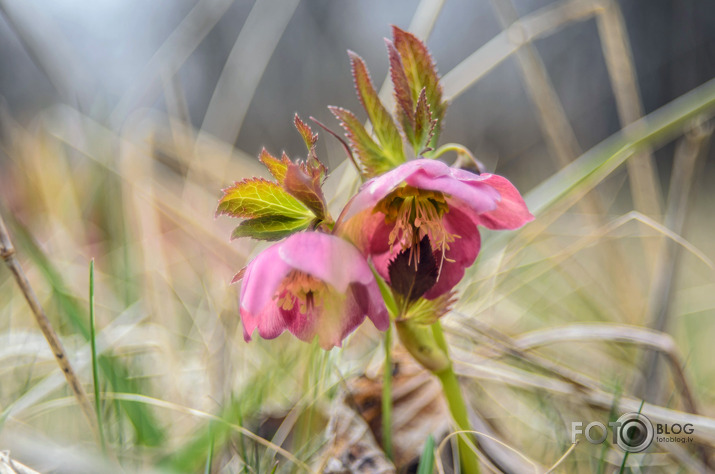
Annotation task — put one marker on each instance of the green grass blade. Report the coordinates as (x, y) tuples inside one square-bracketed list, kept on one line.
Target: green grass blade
[(653, 130), (146, 427), (426, 465), (95, 365), (210, 456)]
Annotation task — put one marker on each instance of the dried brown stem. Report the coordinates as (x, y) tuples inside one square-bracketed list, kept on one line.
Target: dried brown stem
[(690, 148), (642, 175), (7, 252)]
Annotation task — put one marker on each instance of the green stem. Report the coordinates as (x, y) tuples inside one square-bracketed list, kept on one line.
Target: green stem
[(457, 407), (463, 154), (387, 396)]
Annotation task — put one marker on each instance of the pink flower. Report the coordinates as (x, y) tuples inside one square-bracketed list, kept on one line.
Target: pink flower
[(424, 197), (310, 284)]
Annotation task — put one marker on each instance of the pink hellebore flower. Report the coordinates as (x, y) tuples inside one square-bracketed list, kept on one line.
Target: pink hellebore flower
[(394, 212), (310, 284)]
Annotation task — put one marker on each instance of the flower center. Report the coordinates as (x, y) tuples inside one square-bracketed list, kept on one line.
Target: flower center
[(417, 213), (300, 289)]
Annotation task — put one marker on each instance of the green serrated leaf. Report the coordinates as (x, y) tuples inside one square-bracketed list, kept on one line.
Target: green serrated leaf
[(420, 72), (424, 125), (276, 167), (258, 197), (270, 227), (403, 94), (306, 132), (368, 153), (303, 183), (385, 128)]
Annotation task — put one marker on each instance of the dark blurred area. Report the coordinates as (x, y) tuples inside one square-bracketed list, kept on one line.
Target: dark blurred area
[(102, 50)]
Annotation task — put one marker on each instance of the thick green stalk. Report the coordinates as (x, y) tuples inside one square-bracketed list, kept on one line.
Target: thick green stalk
[(457, 407), (387, 396), (429, 347)]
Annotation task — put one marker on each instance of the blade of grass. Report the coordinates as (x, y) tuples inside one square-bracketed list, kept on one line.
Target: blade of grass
[(7, 253), (244, 67), (642, 175), (541, 23), (567, 186), (142, 399), (426, 465), (209, 457), (95, 365), (561, 140), (387, 396), (172, 54), (625, 456), (147, 428), (667, 268)]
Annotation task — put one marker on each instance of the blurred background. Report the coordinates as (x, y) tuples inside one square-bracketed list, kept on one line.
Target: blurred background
[(120, 121)]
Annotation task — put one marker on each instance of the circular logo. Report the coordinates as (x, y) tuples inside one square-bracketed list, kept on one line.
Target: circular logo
[(634, 432)]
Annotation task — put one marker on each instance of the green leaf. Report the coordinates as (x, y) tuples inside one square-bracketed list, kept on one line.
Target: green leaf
[(257, 197), (276, 167), (270, 227), (424, 125), (382, 122), (420, 72), (303, 183), (368, 153), (307, 133), (402, 92)]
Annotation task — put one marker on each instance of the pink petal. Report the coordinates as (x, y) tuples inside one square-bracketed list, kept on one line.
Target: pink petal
[(360, 229), (371, 304), (360, 301), (462, 251), (270, 322), (261, 281), (301, 325), (342, 314), (475, 194), (511, 212), (377, 188), (326, 257)]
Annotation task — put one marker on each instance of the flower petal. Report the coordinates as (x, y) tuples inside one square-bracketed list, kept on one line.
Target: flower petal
[(462, 252), (477, 195), (326, 257), (371, 304), (377, 188), (511, 211), (261, 281), (270, 322)]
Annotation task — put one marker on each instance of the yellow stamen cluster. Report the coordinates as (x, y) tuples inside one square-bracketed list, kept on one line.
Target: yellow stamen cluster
[(302, 289), (417, 213)]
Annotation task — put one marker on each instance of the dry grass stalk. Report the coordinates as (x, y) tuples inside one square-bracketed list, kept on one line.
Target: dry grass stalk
[(642, 175), (7, 252)]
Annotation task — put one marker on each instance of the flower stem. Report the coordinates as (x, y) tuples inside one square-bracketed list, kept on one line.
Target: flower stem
[(457, 407), (387, 396), (464, 156)]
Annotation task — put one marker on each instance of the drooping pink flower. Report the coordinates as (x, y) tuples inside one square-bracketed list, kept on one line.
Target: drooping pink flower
[(310, 284), (394, 212)]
